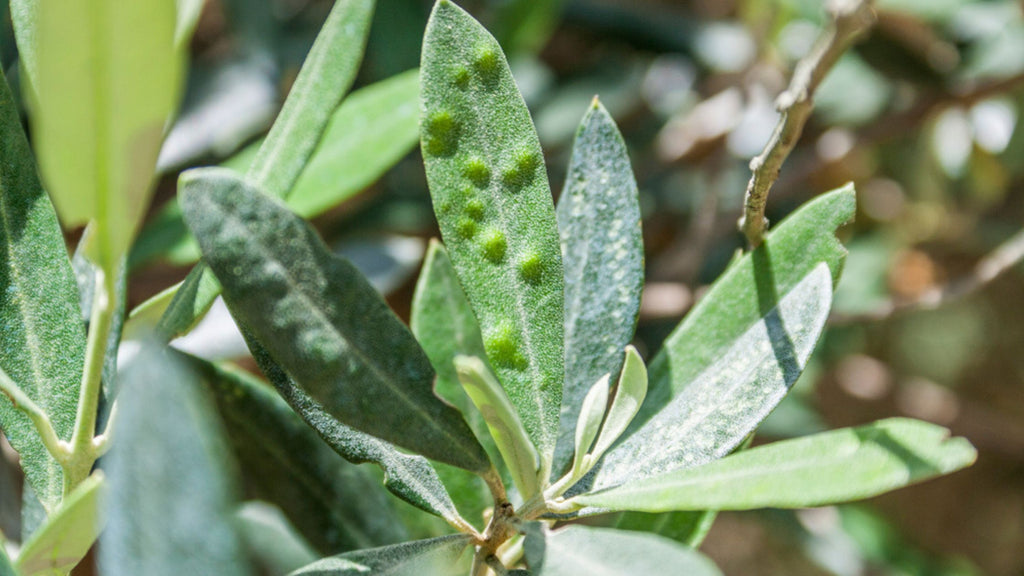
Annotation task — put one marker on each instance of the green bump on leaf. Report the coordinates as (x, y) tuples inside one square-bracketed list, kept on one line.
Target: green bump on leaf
[(495, 246), (461, 76), (477, 171), (442, 134), (503, 347), (486, 61), (531, 267), (475, 209), (466, 228)]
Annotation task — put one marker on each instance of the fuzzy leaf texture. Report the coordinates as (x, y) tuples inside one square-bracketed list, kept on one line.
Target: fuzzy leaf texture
[(41, 332), (732, 395), (336, 506), (172, 490), (576, 550), (491, 196), (108, 79), (325, 77), (603, 256), (65, 538), (322, 320), (407, 476), (433, 557), (827, 468)]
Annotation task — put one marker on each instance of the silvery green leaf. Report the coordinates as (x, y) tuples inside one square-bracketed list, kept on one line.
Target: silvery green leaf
[(591, 414), (68, 534), (603, 257), (826, 468), (734, 394)]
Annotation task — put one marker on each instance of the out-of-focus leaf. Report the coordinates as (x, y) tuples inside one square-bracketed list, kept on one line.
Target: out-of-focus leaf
[(188, 16), (322, 321), (826, 468), (491, 196), (371, 131), (526, 25), (729, 399), (689, 528), (6, 567), (272, 540), (68, 534), (603, 257), (108, 78), (171, 502), (434, 557), (41, 331), (25, 20), (576, 550), (335, 505), (85, 276), (322, 82)]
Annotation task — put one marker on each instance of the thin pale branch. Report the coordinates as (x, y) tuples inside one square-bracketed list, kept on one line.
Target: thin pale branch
[(850, 19), (54, 445), (1005, 256)]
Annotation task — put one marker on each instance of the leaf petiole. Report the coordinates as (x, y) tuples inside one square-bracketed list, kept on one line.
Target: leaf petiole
[(57, 447)]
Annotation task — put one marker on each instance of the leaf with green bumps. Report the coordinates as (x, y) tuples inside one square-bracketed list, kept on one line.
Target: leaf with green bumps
[(324, 79), (734, 394), (335, 505), (490, 191), (827, 468), (603, 255), (320, 318), (432, 557), (41, 333)]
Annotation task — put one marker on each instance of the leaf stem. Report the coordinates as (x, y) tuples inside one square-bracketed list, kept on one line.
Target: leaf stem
[(83, 452), (101, 443), (850, 19), (57, 447)]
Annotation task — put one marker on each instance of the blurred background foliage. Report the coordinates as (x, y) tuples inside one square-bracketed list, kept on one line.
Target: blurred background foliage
[(923, 116)]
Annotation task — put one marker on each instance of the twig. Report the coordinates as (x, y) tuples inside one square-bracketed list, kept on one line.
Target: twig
[(1005, 256), (850, 19), (54, 445)]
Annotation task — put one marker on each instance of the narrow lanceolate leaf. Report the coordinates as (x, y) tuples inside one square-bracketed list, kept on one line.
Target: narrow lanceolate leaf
[(739, 298), (733, 395), (6, 566), (629, 396), (108, 78), (61, 543), (507, 430), (603, 255), (434, 557), (170, 508), (827, 468), (335, 505), (371, 131), (409, 477), (490, 191), (41, 333), (578, 550), (322, 320), (689, 528), (272, 540), (188, 16), (24, 20), (324, 79), (590, 420)]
